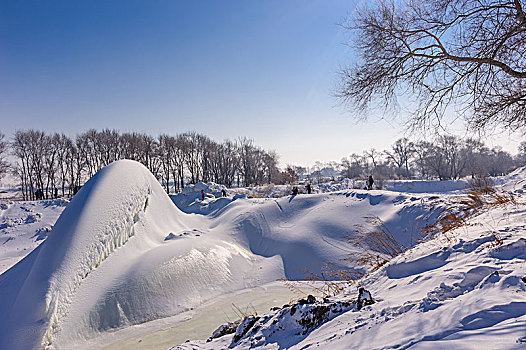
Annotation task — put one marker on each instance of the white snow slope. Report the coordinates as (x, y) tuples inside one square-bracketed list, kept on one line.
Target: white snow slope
[(462, 290), (24, 225), (122, 253)]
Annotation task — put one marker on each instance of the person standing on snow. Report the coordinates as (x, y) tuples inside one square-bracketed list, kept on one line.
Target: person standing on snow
[(309, 189), (202, 195), (370, 182)]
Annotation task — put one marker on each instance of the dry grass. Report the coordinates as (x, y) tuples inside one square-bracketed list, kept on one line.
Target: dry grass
[(250, 310), (481, 196), (331, 281), (376, 243)]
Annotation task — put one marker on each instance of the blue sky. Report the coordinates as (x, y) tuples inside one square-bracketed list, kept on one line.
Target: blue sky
[(261, 69)]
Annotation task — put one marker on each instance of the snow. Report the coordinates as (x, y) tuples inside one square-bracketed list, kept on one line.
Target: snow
[(466, 291), (198, 323), (24, 225), (127, 266), (426, 186)]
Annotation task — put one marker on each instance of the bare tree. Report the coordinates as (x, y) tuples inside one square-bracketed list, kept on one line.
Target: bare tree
[(52, 147), (354, 166), (166, 154), (20, 149), (400, 154), (228, 163), (498, 162), (4, 166), (290, 174), (521, 156), (65, 151), (270, 161), (373, 155), (473, 154), (442, 52)]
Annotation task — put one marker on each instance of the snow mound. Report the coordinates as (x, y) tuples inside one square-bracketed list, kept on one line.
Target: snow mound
[(513, 182), (426, 186), (53, 291), (189, 200)]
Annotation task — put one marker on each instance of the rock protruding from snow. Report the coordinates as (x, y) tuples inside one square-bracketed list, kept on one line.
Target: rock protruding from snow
[(283, 327)]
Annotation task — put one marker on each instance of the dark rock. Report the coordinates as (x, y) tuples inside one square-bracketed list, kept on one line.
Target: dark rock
[(225, 329), (244, 327), (292, 310), (313, 318)]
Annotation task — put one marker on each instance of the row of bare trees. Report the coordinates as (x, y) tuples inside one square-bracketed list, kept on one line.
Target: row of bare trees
[(445, 157), (53, 162)]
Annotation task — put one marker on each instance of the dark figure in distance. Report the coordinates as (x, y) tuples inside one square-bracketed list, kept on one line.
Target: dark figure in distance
[(294, 190), (223, 192), (202, 195), (370, 182), (56, 192), (364, 298), (309, 189)]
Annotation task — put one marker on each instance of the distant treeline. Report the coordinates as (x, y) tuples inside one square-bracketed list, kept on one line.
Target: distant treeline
[(45, 162), (445, 157)]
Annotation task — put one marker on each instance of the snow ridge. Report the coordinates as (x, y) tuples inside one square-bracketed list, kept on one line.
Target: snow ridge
[(100, 219), (112, 237)]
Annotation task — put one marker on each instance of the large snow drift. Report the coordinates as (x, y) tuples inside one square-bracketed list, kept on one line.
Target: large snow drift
[(122, 253), (61, 279)]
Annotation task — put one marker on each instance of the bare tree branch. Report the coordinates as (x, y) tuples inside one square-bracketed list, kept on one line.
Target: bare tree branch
[(463, 53)]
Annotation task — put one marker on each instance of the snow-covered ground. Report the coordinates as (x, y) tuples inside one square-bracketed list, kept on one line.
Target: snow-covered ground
[(24, 225), (463, 290), (126, 266)]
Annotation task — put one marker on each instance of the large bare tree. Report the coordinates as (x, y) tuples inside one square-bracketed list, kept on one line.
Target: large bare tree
[(464, 53), (3, 152)]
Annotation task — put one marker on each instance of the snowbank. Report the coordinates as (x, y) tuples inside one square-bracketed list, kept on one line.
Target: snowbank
[(190, 200), (426, 186), (122, 254), (92, 273), (466, 290), (24, 225), (514, 182)]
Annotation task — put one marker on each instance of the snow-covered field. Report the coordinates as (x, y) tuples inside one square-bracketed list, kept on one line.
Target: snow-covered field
[(24, 225), (127, 266)]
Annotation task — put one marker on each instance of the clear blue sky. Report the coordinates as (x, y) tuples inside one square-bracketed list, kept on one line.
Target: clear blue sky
[(260, 68)]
